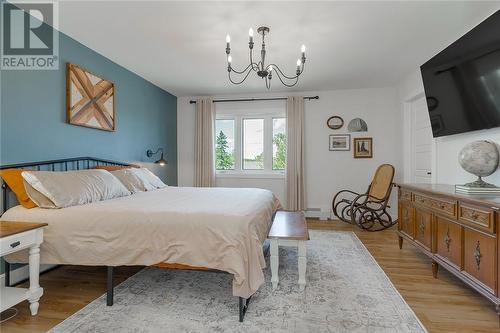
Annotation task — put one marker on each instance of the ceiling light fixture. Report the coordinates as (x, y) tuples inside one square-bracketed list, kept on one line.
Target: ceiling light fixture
[(264, 71)]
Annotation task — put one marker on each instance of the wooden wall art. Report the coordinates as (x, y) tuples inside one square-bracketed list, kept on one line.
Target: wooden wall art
[(90, 100)]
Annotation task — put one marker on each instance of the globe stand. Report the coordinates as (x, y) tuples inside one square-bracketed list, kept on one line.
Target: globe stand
[(480, 183)]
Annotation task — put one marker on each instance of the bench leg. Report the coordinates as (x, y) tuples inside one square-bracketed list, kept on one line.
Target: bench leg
[(274, 262), (302, 264), (109, 292)]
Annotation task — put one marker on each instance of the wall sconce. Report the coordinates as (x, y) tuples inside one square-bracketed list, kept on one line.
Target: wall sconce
[(161, 161)]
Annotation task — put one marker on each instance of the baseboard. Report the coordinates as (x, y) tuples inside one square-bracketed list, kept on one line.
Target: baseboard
[(22, 273)]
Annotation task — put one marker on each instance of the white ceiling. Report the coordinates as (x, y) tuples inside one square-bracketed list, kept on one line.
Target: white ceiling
[(180, 46)]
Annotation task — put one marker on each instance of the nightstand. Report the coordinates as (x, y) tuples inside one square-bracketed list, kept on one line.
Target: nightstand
[(16, 236)]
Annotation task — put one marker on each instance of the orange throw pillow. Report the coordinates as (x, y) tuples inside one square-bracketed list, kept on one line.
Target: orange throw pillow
[(14, 180), (111, 167)]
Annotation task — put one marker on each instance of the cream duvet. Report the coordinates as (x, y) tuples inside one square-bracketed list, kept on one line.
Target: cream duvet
[(217, 228)]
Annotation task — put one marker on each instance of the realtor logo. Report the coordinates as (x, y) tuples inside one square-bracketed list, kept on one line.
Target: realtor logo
[(29, 35)]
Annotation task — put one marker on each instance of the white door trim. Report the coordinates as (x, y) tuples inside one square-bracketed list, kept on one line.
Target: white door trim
[(408, 153)]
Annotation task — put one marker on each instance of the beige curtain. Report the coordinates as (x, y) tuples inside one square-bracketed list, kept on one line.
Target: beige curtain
[(204, 143), (295, 175)]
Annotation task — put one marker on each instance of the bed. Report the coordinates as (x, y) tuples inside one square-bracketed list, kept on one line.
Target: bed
[(175, 227)]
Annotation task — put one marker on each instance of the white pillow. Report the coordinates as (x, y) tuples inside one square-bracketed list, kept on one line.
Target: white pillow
[(71, 188), (38, 198), (150, 180), (130, 178)]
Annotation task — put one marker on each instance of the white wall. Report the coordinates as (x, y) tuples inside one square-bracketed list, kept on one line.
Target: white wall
[(185, 141), (446, 169), (185, 152), (326, 172)]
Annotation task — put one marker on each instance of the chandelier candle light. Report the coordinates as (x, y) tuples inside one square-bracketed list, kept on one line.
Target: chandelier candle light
[(264, 71)]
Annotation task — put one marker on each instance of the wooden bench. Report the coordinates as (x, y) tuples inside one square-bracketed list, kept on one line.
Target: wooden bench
[(289, 229)]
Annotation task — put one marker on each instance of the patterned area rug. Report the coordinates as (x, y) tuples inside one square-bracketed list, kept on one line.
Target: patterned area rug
[(346, 292)]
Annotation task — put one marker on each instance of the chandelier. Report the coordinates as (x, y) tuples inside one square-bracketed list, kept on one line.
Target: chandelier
[(263, 70)]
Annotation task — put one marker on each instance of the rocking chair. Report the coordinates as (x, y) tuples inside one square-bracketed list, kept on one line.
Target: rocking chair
[(367, 210)]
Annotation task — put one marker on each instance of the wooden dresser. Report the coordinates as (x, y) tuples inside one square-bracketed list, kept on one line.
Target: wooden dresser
[(458, 232)]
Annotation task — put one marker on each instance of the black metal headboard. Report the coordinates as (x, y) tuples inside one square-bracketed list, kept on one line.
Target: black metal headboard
[(75, 163)]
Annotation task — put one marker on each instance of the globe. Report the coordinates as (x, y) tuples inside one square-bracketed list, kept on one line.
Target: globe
[(479, 158)]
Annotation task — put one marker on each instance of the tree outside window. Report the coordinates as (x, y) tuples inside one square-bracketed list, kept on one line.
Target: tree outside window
[(279, 143), (224, 160), (224, 144)]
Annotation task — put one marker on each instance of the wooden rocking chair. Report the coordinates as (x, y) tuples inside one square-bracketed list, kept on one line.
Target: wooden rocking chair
[(367, 210)]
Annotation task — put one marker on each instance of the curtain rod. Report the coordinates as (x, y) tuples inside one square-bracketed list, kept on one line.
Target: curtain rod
[(255, 99)]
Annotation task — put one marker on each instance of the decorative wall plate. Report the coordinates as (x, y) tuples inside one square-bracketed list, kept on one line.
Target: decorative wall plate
[(335, 122), (357, 125)]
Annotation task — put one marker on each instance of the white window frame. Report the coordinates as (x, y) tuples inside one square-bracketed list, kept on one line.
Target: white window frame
[(238, 117)]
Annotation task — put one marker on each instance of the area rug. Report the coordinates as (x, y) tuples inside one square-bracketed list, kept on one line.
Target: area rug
[(346, 291)]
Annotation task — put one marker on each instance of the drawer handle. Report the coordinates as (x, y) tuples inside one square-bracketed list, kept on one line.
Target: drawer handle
[(422, 228), (447, 239), (15, 244), (477, 255), (474, 216)]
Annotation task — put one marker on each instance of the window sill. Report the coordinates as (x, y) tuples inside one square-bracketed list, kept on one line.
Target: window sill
[(251, 174)]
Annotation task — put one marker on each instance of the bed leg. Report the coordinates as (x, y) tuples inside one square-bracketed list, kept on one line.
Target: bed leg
[(243, 307), (7, 274), (109, 295)]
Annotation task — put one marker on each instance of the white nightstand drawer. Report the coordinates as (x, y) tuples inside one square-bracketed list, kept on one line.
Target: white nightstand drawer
[(17, 242)]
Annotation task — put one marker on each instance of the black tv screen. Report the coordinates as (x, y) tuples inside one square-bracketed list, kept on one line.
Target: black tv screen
[(462, 83)]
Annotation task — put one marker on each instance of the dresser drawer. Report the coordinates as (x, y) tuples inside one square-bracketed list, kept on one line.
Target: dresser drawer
[(404, 194), (17, 242), (477, 217), (405, 219), (423, 227), (446, 207), (480, 257), (449, 240)]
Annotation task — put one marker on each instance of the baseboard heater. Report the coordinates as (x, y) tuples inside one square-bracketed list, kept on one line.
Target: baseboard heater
[(317, 213)]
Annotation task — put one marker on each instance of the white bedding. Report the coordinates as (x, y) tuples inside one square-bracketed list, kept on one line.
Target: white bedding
[(218, 228)]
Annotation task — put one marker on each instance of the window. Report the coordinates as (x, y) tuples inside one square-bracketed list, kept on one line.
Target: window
[(224, 144), (250, 142), (253, 144)]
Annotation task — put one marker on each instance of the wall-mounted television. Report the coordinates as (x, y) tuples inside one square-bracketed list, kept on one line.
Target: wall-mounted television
[(462, 82)]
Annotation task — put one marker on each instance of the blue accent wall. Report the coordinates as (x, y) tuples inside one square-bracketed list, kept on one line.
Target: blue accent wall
[(33, 115)]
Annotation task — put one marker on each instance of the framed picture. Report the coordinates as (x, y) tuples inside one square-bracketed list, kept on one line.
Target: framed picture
[(90, 99), (335, 122), (340, 142), (363, 147)]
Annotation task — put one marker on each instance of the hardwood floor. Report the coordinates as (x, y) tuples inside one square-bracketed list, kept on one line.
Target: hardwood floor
[(67, 289), (443, 305)]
